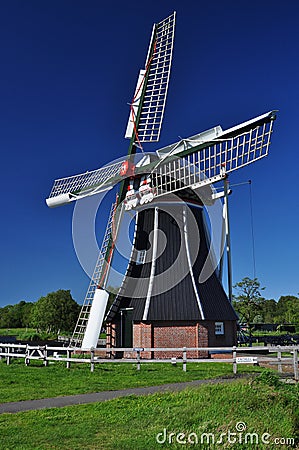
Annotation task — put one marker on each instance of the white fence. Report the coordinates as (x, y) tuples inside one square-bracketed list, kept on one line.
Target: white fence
[(277, 355)]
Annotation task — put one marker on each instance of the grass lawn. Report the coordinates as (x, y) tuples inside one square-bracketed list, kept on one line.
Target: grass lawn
[(36, 381), (15, 331), (261, 406)]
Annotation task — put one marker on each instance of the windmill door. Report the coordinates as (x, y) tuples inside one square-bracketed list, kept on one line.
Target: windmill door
[(127, 329)]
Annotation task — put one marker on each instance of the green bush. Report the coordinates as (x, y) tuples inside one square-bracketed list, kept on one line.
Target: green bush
[(35, 336), (269, 378)]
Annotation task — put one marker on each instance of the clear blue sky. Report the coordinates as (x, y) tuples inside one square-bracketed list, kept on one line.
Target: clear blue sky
[(68, 69)]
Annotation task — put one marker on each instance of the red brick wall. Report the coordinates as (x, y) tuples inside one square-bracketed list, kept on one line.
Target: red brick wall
[(111, 335), (203, 339), (143, 337), (111, 330), (173, 334)]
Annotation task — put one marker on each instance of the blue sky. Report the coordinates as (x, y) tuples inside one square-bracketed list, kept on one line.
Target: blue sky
[(68, 70)]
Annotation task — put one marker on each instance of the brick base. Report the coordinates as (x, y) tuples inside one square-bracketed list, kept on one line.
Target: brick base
[(166, 334), (181, 334), (143, 338), (111, 335)]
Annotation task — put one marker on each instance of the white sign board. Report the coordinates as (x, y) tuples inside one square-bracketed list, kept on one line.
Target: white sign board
[(246, 360)]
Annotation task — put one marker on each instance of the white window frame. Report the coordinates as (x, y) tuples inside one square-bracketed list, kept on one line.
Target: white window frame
[(219, 328)]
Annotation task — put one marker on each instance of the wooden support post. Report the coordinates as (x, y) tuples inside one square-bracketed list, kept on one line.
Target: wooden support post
[(184, 359), (279, 360), (68, 356), (295, 361), (45, 356), (27, 359), (228, 243), (235, 367), (7, 357), (92, 359), (138, 359)]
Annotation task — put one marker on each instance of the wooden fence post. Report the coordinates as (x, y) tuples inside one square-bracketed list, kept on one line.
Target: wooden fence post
[(138, 359), (7, 357), (295, 361), (279, 359), (45, 356), (184, 359), (92, 359), (68, 356), (235, 367), (27, 359)]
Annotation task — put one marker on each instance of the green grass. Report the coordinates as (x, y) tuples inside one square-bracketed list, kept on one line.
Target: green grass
[(272, 333), (15, 331), (134, 422), (36, 381), (27, 334)]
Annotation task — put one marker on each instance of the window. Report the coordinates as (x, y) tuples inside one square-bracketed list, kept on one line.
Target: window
[(140, 257), (219, 328)]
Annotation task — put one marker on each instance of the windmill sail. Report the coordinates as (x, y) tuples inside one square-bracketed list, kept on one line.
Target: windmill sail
[(75, 187), (152, 85), (91, 316), (206, 158)]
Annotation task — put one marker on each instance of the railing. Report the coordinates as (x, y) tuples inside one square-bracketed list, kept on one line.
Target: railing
[(68, 355)]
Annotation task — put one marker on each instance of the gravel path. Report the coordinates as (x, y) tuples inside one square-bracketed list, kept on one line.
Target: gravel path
[(57, 402)]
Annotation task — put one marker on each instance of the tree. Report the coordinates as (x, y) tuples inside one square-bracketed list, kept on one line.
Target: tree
[(248, 302), (26, 315), (288, 309), (6, 317), (16, 316), (268, 310), (56, 311)]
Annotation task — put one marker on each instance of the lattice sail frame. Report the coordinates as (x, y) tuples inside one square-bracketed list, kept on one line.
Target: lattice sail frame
[(89, 182), (156, 78), (199, 163), (100, 269)]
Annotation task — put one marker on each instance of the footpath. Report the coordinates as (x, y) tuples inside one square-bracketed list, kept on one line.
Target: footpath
[(81, 399)]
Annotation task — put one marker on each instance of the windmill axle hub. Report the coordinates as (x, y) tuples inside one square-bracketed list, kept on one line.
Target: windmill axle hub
[(142, 194)]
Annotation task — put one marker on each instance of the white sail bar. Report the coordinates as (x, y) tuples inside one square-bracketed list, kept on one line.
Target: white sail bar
[(72, 188), (135, 105), (196, 162), (154, 99)]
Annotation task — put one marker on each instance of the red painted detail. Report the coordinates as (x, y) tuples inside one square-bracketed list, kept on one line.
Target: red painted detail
[(124, 168), (127, 169)]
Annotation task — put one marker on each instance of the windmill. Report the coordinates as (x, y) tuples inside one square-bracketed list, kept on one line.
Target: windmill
[(168, 191)]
